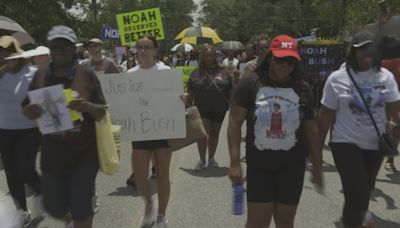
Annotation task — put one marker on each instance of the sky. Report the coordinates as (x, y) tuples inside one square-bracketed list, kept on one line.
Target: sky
[(196, 14)]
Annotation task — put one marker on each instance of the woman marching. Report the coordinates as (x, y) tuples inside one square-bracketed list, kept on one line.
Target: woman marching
[(210, 86), (279, 110), (143, 151), (354, 140), (19, 136)]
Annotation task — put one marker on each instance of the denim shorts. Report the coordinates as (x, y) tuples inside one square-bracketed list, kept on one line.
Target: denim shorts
[(71, 190)]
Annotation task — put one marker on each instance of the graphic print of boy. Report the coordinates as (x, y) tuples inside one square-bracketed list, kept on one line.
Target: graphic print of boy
[(276, 120), (50, 105)]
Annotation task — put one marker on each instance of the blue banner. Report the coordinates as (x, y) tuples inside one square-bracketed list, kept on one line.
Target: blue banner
[(109, 33)]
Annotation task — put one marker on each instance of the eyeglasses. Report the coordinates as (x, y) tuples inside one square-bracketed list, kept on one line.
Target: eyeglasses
[(286, 60), (93, 45), (145, 47)]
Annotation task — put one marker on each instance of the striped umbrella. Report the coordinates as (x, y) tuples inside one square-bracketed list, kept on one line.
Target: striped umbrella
[(231, 45), (198, 35), (10, 27), (182, 48)]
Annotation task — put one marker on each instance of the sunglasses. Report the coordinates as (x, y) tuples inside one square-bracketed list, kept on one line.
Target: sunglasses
[(286, 60), (367, 50)]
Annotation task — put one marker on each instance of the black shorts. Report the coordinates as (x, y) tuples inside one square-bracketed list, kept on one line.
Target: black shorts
[(150, 145), (279, 185), (72, 190), (217, 117)]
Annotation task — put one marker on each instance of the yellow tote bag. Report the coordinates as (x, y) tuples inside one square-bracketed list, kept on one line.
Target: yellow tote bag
[(108, 153)]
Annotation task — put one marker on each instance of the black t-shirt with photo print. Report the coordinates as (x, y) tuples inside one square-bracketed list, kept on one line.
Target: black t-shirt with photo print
[(207, 97), (275, 115)]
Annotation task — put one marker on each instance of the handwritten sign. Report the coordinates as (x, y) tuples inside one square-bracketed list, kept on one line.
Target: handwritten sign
[(133, 25), (146, 104), (321, 60)]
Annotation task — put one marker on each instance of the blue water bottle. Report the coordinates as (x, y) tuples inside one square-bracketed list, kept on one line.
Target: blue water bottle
[(238, 193)]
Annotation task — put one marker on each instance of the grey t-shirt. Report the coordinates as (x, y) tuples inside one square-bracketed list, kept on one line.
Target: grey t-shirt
[(105, 65)]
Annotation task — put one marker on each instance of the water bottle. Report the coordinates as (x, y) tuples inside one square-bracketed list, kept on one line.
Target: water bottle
[(238, 193)]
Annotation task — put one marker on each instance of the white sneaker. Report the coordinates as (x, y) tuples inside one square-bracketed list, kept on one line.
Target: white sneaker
[(69, 225), (95, 204), (212, 163), (149, 217), (26, 217), (38, 209), (200, 166), (368, 220), (161, 222)]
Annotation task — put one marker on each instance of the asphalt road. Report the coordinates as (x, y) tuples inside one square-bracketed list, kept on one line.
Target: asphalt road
[(203, 200)]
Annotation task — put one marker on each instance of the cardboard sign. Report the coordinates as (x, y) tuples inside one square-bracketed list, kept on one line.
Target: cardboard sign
[(119, 52), (146, 104), (109, 33), (321, 60), (133, 25)]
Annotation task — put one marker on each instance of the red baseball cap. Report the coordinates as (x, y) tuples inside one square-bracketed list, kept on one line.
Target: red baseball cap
[(284, 46)]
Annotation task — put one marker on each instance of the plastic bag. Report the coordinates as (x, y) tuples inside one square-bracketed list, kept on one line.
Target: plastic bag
[(108, 155)]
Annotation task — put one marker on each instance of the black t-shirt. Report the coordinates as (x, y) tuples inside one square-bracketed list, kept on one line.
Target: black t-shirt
[(62, 152), (206, 97), (275, 116)]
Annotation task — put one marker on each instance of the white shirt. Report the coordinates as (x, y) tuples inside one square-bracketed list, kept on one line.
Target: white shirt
[(353, 124), (13, 90), (230, 63), (157, 66)]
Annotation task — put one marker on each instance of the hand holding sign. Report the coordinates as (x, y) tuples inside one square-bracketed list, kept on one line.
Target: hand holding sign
[(148, 105)]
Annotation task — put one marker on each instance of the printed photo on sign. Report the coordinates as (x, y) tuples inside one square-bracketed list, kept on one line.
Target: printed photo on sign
[(56, 116), (277, 118)]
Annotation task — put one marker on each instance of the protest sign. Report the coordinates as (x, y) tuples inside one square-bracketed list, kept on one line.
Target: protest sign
[(56, 116), (146, 104), (186, 70), (109, 33), (132, 25), (119, 52), (321, 60)]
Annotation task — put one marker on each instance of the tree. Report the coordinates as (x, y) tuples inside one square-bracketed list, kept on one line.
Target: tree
[(243, 19), (37, 17)]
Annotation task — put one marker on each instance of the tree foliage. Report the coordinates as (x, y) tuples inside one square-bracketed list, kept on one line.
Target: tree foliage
[(243, 19), (37, 17)]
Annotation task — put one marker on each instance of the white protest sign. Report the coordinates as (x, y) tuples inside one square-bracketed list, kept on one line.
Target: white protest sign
[(56, 116), (146, 104)]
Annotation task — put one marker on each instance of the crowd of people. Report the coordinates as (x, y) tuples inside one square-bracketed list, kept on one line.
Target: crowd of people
[(262, 85)]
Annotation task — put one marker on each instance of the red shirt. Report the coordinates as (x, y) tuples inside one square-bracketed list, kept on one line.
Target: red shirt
[(394, 66), (276, 121)]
